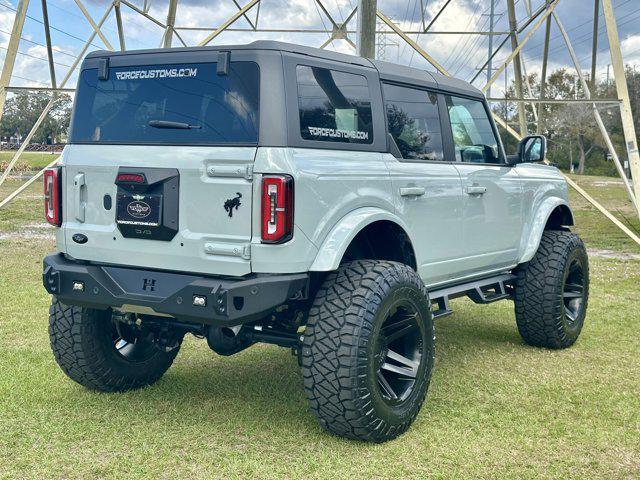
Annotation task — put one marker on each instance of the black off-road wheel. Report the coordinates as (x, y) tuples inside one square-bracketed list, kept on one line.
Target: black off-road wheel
[(368, 350), (102, 354), (552, 291)]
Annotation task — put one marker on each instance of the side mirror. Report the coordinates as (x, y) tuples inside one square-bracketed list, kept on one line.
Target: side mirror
[(532, 148)]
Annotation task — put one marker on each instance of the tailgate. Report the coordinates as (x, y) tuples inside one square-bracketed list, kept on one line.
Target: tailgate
[(191, 213)]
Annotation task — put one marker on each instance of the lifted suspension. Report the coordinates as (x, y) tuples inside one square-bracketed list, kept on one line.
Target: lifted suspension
[(166, 333)]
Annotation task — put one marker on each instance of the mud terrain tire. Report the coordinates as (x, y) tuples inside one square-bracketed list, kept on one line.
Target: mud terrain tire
[(369, 319), (86, 349), (552, 291)]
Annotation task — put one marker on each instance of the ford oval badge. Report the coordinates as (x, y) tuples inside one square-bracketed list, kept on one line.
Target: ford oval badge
[(139, 209), (80, 238)]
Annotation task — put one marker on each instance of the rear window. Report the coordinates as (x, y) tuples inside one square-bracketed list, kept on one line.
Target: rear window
[(334, 106), (177, 104)]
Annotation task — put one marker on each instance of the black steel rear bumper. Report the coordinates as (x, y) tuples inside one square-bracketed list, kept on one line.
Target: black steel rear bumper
[(229, 302)]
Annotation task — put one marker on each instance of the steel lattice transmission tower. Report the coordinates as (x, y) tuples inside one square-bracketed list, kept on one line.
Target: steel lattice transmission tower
[(367, 15)]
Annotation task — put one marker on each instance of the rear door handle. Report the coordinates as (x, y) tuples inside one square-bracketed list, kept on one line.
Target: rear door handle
[(412, 191), (476, 190), (78, 187)]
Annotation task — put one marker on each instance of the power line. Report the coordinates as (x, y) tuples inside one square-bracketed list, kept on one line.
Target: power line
[(52, 27), (582, 39), (588, 22), (339, 11), (324, 26), (480, 40), (423, 7), (29, 80), (40, 44), (459, 60), (37, 58), (406, 19), (463, 42)]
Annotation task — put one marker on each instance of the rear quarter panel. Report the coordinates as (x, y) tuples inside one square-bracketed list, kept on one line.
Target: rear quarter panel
[(329, 184)]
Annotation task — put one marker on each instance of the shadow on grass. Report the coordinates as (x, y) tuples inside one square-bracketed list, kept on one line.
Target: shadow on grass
[(473, 331), (259, 392), (262, 389)]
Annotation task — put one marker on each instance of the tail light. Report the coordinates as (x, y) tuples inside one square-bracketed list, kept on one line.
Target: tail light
[(52, 196), (277, 208)]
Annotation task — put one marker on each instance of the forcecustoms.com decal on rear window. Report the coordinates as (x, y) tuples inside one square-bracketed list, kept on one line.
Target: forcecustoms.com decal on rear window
[(336, 133), (157, 73)]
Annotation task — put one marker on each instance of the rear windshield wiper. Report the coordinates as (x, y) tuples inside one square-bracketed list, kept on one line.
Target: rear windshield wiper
[(167, 124)]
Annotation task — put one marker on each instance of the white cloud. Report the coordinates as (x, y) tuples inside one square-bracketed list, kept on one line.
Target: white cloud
[(31, 67), (631, 49), (25, 66), (460, 54)]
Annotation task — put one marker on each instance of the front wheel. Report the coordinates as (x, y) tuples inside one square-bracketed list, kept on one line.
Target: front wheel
[(99, 352), (552, 292), (368, 350)]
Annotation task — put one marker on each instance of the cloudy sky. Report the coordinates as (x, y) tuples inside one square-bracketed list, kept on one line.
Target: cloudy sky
[(461, 55)]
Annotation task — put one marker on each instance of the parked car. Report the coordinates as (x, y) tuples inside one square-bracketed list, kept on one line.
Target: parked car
[(288, 195)]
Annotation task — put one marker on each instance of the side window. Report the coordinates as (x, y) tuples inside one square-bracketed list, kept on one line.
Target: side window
[(414, 123), (334, 106), (473, 135)]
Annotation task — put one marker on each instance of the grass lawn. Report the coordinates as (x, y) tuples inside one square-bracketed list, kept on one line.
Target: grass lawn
[(593, 227), (29, 161), (495, 409)]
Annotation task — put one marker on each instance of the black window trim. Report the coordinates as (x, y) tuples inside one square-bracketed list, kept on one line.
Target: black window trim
[(494, 129)]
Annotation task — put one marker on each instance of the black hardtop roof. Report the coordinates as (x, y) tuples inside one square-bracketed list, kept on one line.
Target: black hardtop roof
[(387, 71)]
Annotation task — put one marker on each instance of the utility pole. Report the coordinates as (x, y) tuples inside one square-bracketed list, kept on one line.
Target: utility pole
[(506, 103), (12, 51), (517, 66), (367, 11), (47, 36), (594, 47), (490, 53), (623, 94), (543, 76), (383, 43), (171, 20), (119, 25)]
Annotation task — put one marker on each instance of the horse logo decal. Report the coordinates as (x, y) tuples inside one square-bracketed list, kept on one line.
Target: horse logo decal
[(232, 203)]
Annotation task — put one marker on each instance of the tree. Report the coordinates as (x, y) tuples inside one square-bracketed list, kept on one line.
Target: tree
[(22, 111), (571, 128), (576, 121)]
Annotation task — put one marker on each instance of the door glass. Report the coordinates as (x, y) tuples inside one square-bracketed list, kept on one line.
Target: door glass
[(334, 106), (473, 135), (414, 123)]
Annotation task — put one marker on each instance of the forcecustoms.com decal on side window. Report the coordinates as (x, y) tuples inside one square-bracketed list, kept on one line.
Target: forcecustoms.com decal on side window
[(336, 133), (157, 73)]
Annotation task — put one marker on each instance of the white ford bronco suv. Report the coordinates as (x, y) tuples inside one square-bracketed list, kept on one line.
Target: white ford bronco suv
[(322, 202)]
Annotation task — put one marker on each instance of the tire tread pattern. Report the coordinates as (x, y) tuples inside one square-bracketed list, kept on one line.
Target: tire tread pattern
[(334, 352), (538, 294), (75, 337)]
